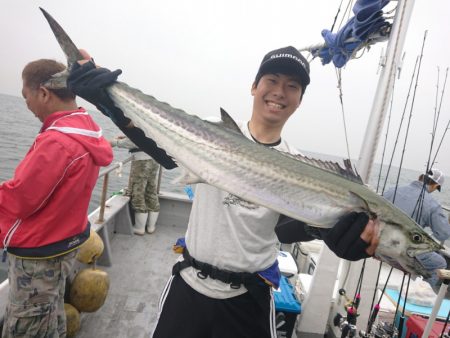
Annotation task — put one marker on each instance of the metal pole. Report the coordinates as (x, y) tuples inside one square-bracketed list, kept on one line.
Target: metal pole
[(158, 185), (434, 312), (101, 213)]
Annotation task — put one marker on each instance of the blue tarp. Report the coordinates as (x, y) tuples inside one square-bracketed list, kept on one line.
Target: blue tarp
[(340, 46)]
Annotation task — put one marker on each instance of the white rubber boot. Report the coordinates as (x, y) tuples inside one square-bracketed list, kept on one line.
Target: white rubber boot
[(140, 219), (151, 221)]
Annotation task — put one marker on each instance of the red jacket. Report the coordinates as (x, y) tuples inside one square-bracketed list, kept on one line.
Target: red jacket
[(43, 208)]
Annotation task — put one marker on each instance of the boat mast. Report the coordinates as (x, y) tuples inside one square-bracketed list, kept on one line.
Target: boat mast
[(384, 88), (310, 323)]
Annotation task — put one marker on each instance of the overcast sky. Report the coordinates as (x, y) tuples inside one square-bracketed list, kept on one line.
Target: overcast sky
[(202, 55)]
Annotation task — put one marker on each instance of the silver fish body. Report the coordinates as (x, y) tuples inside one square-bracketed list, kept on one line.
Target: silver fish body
[(315, 192)]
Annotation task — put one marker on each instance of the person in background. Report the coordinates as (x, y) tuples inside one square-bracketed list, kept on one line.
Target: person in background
[(43, 208), (142, 186), (222, 285), (415, 200)]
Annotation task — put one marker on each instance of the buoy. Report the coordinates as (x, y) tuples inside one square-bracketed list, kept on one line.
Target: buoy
[(72, 320), (89, 289), (91, 249)]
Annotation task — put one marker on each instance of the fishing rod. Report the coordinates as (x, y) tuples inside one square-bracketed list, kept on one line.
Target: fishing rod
[(443, 334), (386, 138), (399, 69), (337, 14), (446, 128), (410, 115), (347, 324), (376, 308), (401, 124), (341, 100), (440, 143), (436, 115), (419, 205), (370, 321), (401, 321)]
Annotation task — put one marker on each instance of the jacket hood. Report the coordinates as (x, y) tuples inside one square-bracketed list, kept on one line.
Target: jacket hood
[(79, 125)]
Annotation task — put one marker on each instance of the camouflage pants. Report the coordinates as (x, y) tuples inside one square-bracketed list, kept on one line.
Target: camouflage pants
[(144, 197), (36, 297)]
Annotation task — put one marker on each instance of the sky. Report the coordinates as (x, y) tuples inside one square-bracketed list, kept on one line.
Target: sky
[(200, 55)]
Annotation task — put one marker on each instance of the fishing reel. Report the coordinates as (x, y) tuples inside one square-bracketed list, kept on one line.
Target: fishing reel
[(347, 324), (381, 330), (348, 327)]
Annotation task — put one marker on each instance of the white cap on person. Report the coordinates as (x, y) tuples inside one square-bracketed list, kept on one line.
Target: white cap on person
[(436, 176)]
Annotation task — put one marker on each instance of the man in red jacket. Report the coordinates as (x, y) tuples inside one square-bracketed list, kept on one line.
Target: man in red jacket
[(43, 208)]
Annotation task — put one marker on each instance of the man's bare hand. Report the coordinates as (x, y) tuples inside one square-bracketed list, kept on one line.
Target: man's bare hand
[(371, 234)]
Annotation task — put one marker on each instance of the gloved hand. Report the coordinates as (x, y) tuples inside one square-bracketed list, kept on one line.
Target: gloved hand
[(344, 238), (89, 82)]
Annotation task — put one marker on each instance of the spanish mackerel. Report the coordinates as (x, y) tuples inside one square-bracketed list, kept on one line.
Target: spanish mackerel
[(313, 191)]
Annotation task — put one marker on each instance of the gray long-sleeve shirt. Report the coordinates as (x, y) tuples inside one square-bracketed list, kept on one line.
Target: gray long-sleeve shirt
[(432, 214)]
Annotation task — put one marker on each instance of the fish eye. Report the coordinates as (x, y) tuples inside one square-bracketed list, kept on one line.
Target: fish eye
[(416, 238)]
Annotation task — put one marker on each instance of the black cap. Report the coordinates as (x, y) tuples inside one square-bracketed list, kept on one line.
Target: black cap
[(287, 60)]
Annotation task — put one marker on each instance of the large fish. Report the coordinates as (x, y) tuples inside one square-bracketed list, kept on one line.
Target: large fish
[(312, 191)]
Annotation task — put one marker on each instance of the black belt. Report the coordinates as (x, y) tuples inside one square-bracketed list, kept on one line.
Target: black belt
[(235, 279), (254, 284), (134, 150)]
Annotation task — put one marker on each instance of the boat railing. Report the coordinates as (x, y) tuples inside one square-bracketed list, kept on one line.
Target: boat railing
[(104, 173)]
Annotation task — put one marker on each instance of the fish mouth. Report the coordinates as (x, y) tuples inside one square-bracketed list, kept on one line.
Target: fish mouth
[(413, 252)]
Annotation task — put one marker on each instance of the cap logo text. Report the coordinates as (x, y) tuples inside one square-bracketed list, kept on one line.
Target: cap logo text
[(284, 55)]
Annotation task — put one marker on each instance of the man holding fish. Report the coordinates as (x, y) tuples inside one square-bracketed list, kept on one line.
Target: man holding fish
[(221, 286)]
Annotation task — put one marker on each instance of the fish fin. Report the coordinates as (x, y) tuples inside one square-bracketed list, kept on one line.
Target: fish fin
[(347, 172), (187, 177), (225, 121), (361, 202), (71, 51), (228, 122)]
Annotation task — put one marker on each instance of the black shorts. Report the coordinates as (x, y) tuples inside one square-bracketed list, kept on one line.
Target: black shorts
[(186, 313)]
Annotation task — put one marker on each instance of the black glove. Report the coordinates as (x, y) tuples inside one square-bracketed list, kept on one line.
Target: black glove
[(89, 82), (344, 238)]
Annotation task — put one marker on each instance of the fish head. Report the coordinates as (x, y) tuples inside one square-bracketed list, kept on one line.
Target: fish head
[(421, 242), (399, 246)]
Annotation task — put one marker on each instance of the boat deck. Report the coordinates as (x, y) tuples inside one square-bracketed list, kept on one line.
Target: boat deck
[(141, 266)]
